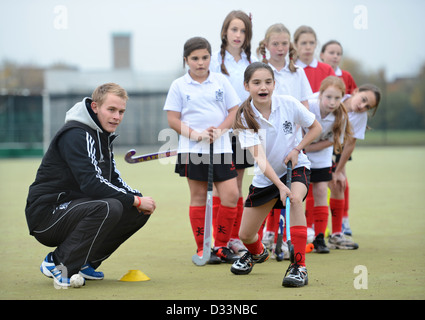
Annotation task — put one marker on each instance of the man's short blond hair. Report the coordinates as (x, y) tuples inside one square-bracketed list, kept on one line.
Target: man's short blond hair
[(99, 94)]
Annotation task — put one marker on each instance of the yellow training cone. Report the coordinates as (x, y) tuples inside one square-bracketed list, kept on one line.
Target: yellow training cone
[(135, 275)]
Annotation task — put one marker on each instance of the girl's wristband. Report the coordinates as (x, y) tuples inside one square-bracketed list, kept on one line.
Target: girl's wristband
[(299, 151)]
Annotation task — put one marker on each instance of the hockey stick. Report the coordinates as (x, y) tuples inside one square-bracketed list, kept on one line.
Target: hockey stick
[(287, 213), (206, 253), (147, 157)]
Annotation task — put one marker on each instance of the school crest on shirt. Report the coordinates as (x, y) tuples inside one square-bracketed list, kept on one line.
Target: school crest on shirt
[(287, 127), (219, 95)]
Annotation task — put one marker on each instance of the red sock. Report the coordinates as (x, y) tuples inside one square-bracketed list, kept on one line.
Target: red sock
[(321, 216), (197, 221), (225, 220), (346, 199), (309, 205), (299, 240), (337, 210), (276, 220), (216, 205), (237, 224), (256, 247)]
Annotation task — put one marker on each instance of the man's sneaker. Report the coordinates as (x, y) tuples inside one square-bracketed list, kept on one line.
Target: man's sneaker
[(339, 241), (245, 264), (346, 227), (226, 255), (237, 246), (88, 272), (319, 244), (268, 239), (49, 269), (295, 276)]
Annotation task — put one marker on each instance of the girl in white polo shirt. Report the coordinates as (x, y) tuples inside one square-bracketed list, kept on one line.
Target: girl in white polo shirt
[(333, 117), (231, 60), (290, 80), (201, 106), (266, 125)]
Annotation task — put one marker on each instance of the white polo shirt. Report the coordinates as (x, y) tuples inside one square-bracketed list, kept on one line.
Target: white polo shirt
[(236, 70), (358, 121), (278, 135), (322, 158), (292, 83), (202, 105)]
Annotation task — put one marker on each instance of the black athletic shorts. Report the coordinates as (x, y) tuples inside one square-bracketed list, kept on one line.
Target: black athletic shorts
[(321, 175), (259, 196), (195, 166), (242, 158)]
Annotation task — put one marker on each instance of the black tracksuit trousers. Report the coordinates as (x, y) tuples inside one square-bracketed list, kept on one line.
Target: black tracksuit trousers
[(88, 231)]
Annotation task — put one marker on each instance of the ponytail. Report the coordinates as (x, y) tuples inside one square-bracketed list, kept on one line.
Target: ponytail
[(248, 121)]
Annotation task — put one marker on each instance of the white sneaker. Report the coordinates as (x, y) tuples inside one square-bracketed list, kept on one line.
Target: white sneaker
[(340, 241), (310, 235), (237, 246), (268, 239), (285, 252)]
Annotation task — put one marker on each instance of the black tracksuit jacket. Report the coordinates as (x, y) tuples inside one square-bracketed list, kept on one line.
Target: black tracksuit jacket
[(78, 164)]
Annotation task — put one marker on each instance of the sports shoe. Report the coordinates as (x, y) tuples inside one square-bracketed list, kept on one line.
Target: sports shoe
[(284, 255), (226, 255), (88, 272), (237, 246), (295, 276), (49, 269), (346, 227), (320, 245), (339, 241), (245, 264), (310, 235), (268, 239)]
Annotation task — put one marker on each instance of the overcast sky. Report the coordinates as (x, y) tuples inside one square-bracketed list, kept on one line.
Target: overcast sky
[(379, 33)]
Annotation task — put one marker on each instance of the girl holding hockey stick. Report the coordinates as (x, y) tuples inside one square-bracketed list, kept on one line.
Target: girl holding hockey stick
[(201, 106), (290, 80), (231, 60), (267, 126)]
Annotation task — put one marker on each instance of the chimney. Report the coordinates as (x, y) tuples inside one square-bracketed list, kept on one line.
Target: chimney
[(122, 46)]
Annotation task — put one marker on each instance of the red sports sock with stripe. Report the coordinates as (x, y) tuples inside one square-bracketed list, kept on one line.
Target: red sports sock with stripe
[(299, 240), (237, 224), (321, 216), (197, 221), (337, 210), (225, 220), (256, 247)]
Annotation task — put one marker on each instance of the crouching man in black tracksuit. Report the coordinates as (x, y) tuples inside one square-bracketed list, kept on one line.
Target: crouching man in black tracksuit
[(78, 202)]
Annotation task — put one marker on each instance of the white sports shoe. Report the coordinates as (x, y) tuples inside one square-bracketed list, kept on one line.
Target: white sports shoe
[(310, 235), (268, 239), (340, 241)]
